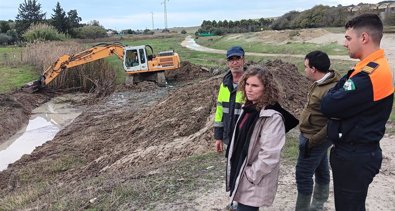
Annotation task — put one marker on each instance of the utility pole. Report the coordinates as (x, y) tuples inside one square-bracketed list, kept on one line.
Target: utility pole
[(153, 26), (165, 12)]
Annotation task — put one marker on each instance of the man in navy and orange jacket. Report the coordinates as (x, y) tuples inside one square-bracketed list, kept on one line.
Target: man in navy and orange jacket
[(358, 108)]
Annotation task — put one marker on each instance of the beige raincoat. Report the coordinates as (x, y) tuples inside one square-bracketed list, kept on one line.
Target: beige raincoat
[(256, 184)]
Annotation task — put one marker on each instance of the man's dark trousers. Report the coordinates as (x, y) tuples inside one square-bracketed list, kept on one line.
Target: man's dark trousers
[(354, 167)]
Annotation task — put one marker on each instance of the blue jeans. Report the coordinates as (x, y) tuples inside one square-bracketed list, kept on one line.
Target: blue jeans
[(317, 165)]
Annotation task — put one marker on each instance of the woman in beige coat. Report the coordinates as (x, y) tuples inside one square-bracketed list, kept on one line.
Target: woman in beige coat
[(254, 152)]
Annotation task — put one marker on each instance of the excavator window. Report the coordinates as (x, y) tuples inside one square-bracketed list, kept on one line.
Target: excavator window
[(142, 56), (132, 58)]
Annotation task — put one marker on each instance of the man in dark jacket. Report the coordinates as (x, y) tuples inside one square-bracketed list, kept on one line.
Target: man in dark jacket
[(358, 108), (229, 99), (313, 144)]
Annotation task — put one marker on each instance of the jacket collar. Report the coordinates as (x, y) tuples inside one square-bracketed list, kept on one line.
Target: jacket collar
[(228, 81), (267, 112), (333, 76)]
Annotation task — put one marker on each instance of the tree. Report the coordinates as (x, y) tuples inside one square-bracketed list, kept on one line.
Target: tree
[(4, 39), (4, 26), (285, 21), (73, 22), (14, 36), (59, 19), (94, 23), (73, 19), (29, 12)]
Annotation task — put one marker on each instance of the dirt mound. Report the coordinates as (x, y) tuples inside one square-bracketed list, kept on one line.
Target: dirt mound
[(15, 109), (292, 84), (187, 71)]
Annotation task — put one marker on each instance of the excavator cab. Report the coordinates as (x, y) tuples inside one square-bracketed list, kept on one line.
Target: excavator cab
[(135, 59)]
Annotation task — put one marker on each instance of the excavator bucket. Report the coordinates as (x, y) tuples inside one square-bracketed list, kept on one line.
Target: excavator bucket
[(33, 86)]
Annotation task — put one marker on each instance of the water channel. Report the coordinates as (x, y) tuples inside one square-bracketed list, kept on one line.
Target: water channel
[(45, 122)]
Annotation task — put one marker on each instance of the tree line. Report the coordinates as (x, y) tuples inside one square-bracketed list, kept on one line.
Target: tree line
[(318, 16), (30, 24)]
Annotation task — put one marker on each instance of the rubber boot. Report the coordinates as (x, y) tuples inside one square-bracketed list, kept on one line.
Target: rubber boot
[(320, 196), (303, 202)]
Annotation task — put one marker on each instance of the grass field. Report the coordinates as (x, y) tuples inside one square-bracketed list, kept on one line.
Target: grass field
[(222, 42)]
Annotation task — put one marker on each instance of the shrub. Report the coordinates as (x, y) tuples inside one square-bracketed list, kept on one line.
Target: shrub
[(183, 31), (42, 32), (91, 32), (4, 39), (147, 31)]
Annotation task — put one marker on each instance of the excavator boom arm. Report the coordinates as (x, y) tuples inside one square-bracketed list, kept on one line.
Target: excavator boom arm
[(97, 52)]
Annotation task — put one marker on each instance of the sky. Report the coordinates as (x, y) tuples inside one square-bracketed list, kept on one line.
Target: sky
[(148, 14)]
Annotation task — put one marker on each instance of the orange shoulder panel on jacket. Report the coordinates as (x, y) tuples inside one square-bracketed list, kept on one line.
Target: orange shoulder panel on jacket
[(381, 77)]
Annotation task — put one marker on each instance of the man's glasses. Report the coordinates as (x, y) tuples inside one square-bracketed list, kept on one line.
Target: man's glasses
[(234, 59)]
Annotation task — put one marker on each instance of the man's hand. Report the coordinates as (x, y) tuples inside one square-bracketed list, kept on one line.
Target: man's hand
[(219, 145)]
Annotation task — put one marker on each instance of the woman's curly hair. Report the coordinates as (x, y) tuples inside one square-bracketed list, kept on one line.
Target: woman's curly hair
[(270, 88)]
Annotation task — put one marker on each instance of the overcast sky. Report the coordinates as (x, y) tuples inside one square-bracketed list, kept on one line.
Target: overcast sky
[(137, 14)]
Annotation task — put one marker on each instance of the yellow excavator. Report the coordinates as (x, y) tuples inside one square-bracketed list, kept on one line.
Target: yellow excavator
[(136, 60)]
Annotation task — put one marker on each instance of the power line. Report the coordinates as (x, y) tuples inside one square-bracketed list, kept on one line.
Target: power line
[(153, 26), (165, 12)]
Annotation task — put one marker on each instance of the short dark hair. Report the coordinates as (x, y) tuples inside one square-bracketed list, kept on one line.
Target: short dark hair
[(319, 60), (370, 22)]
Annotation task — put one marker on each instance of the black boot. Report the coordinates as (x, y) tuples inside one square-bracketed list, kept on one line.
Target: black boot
[(303, 202), (320, 196)]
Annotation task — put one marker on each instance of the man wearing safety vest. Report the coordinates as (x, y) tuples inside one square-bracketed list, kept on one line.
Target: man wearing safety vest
[(229, 100)]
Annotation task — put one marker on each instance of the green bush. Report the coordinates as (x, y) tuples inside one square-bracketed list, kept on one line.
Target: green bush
[(91, 32), (183, 31), (147, 31), (4, 39), (42, 32)]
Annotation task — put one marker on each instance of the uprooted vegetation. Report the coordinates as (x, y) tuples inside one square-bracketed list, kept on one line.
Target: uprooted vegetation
[(140, 148), (97, 76)]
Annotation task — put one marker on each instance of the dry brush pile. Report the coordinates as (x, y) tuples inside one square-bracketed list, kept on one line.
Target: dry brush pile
[(97, 76)]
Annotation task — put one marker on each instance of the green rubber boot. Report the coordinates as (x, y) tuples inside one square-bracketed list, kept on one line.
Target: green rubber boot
[(303, 202), (320, 196)]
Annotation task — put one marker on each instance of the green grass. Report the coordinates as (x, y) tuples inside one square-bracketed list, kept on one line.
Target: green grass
[(12, 78), (291, 147), (10, 55), (222, 42)]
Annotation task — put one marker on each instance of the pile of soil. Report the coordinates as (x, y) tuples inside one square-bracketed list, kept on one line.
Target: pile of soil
[(186, 72), (137, 128), (293, 85)]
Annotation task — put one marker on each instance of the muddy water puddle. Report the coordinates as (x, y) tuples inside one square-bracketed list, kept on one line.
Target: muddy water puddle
[(45, 122)]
